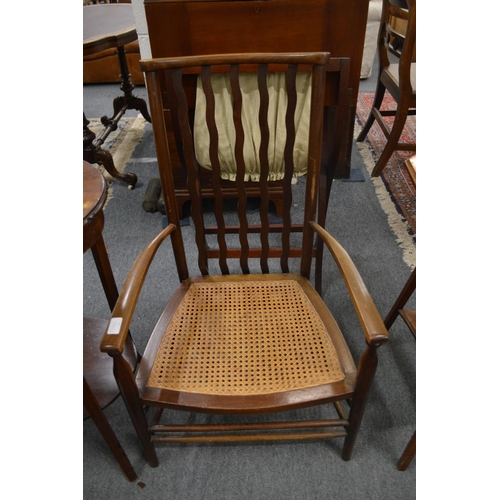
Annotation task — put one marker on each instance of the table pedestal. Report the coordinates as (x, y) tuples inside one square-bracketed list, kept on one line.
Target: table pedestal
[(104, 27)]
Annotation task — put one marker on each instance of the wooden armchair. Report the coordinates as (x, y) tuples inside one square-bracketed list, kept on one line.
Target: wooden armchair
[(399, 79), (262, 340)]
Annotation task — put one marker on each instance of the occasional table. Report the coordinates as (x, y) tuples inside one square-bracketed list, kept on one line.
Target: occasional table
[(99, 385), (110, 26)]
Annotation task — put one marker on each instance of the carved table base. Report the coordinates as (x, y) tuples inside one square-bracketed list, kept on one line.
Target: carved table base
[(92, 150)]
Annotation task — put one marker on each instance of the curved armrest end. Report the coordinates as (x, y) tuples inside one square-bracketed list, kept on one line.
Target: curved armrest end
[(114, 338), (371, 321)]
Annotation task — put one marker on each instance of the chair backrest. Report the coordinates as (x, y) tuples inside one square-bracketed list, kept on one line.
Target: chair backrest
[(397, 36), (255, 239)]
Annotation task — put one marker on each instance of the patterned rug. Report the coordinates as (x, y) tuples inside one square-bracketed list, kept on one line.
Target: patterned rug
[(120, 143), (394, 182)]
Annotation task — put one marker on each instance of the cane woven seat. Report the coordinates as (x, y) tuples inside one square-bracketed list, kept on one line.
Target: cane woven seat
[(245, 338)]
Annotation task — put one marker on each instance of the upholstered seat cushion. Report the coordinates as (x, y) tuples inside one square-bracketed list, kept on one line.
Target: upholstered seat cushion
[(393, 73)]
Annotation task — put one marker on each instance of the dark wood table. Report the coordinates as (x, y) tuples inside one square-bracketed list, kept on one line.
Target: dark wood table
[(198, 27), (99, 385), (110, 26)]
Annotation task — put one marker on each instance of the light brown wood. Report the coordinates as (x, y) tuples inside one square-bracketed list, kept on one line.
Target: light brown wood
[(373, 326), (251, 342)]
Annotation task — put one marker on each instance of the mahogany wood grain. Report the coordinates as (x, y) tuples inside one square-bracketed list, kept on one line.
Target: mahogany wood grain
[(185, 28)]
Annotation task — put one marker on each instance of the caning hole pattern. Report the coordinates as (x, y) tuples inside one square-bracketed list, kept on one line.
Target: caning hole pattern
[(244, 338)]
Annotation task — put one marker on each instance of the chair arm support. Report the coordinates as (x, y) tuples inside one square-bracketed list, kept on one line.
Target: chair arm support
[(114, 338), (369, 317)]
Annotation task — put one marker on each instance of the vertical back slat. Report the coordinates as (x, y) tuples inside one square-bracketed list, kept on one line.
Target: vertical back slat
[(264, 165), (214, 161), (291, 90), (176, 91), (240, 167)]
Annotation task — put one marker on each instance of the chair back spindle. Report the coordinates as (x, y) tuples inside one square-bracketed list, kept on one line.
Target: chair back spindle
[(216, 170)]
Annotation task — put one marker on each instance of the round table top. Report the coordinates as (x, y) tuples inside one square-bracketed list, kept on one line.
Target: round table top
[(106, 26), (95, 192)]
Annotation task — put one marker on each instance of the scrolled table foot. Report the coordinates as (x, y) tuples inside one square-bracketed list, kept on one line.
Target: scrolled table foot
[(103, 157), (141, 106)]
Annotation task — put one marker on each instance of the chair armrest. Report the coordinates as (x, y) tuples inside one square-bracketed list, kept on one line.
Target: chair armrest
[(114, 338), (369, 317)]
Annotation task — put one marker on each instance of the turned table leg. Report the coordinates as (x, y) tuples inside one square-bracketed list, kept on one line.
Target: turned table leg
[(128, 100)]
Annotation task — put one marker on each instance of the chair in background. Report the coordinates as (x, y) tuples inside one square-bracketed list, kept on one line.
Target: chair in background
[(246, 343), (410, 318), (399, 79)]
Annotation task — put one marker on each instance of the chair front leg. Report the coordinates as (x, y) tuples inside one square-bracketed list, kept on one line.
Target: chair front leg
[(130, 393), (366, 372)]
